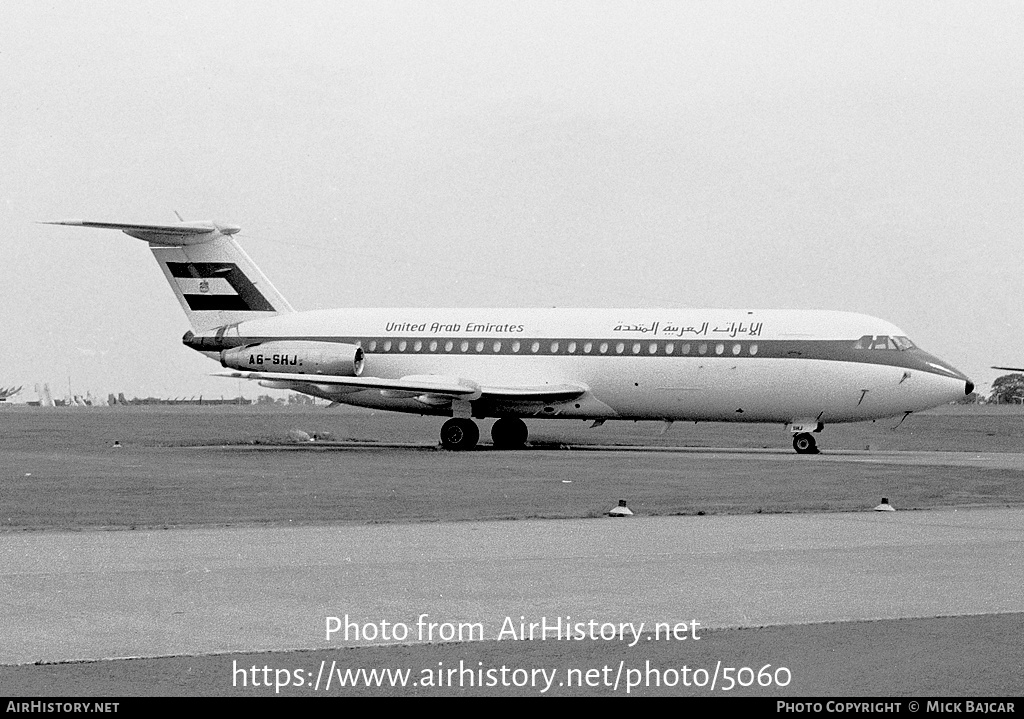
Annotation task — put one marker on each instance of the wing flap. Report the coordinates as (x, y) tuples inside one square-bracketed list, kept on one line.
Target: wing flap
[(538, 393)]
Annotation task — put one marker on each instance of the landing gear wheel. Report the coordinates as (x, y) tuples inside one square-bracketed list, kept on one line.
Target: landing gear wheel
[(509, 433), (459, 434), (804, 443)]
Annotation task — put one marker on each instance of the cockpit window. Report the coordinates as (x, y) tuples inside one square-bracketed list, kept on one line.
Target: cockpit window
[(883, 342)]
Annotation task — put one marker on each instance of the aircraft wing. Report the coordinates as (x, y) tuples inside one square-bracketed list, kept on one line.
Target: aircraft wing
[(437, 385), (1011, 369)]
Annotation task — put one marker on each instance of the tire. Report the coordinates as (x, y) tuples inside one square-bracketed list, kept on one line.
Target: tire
[(509, 433), (804, 443), (459, 434)]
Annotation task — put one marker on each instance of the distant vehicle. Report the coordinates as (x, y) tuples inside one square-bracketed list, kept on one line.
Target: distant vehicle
[(801, 368)]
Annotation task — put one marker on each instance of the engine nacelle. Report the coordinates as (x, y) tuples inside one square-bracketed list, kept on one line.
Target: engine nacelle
[(297, 356)]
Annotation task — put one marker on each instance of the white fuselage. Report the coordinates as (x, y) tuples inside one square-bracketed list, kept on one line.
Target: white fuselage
[(668, 364)]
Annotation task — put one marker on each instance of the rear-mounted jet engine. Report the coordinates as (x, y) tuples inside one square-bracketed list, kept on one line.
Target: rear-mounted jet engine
[(324, 358)]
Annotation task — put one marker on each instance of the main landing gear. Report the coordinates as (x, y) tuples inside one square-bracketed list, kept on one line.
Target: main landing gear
[(509, 433), (461, 433), (804, 443)]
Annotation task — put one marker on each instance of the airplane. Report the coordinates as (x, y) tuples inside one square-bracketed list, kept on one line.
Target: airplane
[(799, 368)]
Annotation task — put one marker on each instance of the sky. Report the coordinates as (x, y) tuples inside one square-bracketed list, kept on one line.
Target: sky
[(859, 156)]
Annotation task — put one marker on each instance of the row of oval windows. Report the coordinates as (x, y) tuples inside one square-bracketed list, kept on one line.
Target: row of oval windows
[(516, 346)]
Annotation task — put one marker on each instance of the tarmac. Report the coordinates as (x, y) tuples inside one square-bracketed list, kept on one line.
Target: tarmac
[(976, 460), (70, 596)]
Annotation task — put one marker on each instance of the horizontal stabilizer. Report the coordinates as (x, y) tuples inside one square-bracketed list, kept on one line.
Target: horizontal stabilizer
[(214, 280), (179, 233)]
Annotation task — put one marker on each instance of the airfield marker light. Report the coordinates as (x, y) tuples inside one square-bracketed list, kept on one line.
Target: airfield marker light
[(117, 444), (621, 511), (885, 506)]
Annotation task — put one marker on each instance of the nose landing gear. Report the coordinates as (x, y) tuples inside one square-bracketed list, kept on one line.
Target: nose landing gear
[(804, 443), (803, 440)]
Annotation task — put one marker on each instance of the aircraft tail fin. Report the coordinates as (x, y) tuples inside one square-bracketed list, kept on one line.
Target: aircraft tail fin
[(213, 278)]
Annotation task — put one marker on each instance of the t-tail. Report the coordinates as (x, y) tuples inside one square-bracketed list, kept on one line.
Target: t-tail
[(213, 278)]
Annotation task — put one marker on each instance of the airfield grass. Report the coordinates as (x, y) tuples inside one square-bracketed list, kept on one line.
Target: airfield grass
[(219, 466)]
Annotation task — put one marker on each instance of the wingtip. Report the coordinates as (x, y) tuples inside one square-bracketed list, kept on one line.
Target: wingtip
[(227, 229)]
